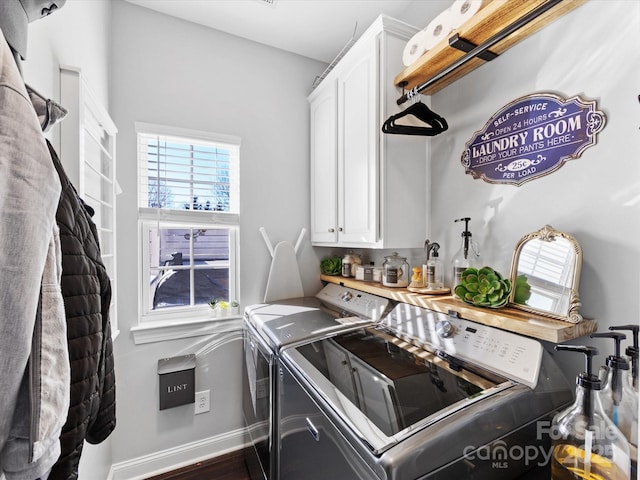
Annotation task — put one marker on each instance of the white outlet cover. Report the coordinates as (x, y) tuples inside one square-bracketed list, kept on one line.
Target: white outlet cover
[(202, 404)]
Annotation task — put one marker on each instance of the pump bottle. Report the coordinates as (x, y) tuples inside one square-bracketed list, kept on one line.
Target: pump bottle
[(633, 352), (616, 396), (467, 256), (630, 395), (585, 442)]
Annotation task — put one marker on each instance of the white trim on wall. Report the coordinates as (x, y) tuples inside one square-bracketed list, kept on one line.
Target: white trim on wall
[(178, 457), (165, 331)]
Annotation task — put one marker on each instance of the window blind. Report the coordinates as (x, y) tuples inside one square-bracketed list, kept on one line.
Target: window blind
[(180, 174)]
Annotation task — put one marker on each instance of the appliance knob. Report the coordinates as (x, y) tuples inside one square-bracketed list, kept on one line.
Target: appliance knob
[(444, 328), (346, 296)]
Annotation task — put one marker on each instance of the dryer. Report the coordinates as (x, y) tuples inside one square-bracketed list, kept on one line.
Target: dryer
[(270, 327)]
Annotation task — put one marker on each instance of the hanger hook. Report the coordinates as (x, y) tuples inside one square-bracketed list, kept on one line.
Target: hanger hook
[(414, 96)]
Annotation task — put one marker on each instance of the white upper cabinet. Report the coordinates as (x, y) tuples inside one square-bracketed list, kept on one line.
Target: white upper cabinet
[(368, 189), (324, 145)]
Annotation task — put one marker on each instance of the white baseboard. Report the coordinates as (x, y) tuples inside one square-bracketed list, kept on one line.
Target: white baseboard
[(178, 457)]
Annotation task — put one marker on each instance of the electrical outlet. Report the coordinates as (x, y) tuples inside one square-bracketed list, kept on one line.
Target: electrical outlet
[(202, 402)]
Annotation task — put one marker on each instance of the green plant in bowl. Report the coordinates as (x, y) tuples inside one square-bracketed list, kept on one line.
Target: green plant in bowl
[(331, 265), (484, 287)]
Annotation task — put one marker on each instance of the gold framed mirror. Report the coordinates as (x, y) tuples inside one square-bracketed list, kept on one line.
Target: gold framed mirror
[(545, 273)]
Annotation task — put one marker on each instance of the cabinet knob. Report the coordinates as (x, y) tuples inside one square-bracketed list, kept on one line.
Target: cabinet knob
[(331, 230), (340, 229)]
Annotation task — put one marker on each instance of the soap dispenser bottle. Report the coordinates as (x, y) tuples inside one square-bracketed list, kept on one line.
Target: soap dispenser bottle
[(616, 396), (467, 256), (585, 442), (633, 353), (630, 394)]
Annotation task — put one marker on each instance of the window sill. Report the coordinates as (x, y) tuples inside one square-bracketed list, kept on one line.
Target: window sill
[(149, 332)]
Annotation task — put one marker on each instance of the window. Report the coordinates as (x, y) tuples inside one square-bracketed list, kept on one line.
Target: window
[(188, 211)]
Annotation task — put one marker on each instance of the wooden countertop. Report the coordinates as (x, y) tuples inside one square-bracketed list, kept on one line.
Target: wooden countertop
[(507, 318)]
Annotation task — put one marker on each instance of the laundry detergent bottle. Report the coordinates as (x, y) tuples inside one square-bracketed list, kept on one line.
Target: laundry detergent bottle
[(586, 445)]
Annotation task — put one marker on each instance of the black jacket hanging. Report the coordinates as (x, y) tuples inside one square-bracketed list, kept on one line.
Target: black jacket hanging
[(86, 290)]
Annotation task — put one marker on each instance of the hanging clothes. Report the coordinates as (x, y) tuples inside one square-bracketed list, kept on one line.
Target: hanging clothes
[(34, 366), (86, 289)]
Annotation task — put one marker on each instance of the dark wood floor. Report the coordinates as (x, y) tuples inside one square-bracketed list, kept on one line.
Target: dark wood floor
[(225, 467), (232, 467)]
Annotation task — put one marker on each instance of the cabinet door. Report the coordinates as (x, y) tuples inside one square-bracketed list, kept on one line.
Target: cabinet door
[(324, 150), (358, 155)]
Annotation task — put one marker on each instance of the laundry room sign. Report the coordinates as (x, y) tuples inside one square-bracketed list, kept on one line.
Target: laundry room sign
[(531, 137)]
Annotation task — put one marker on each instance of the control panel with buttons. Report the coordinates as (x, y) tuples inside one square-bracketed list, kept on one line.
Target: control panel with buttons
[(505, 353), (354, 302)]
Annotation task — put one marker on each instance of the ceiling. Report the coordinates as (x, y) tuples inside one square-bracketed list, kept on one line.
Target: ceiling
[(317, 29)]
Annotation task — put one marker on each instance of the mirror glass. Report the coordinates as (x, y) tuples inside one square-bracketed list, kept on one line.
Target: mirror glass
[(545, 272)]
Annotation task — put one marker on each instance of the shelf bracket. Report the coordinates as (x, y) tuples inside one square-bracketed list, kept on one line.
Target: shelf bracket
[(466, 46)]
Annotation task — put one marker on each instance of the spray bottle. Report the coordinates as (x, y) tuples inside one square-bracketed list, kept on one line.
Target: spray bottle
[(467, 256), (586, 444), (434, 278)]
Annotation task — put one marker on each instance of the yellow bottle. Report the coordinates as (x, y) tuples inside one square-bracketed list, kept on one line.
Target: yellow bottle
[(570, 463), (585, 442)]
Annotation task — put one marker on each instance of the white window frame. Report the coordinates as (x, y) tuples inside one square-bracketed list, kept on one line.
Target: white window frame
[(181, 322)]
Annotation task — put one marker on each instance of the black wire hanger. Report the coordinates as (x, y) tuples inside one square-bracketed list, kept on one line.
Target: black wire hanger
[(416, 119)]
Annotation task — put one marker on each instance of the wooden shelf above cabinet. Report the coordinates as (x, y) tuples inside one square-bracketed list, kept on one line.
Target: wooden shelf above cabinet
[(489, 21), (510, 319)]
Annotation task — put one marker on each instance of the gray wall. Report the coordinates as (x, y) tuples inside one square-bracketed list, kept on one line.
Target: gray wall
[(171, 72), (590, 52)]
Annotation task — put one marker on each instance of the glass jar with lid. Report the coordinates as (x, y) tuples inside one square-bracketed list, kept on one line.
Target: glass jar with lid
[(395, 271), (349, 263), (356, 260)]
